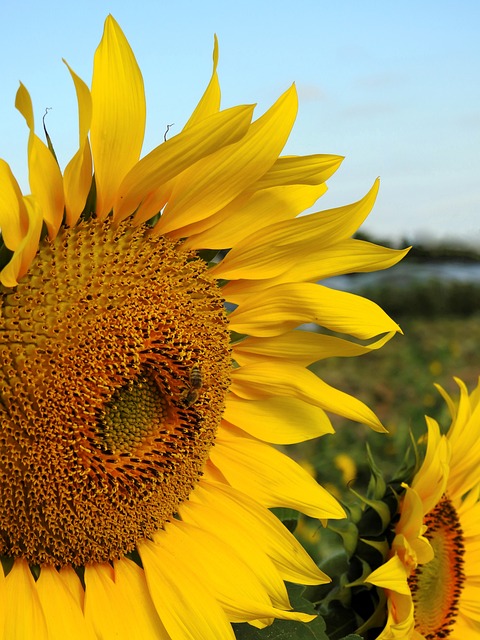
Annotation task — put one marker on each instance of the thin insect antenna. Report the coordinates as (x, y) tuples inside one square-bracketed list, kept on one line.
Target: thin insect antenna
[(168, 129)]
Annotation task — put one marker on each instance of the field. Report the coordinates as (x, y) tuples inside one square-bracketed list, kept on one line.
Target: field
[(398, 379)]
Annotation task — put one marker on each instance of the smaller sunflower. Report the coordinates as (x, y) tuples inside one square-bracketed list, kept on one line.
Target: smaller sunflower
[(432, 577)]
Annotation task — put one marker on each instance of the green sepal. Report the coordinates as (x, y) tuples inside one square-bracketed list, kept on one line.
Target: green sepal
[(207, 255), (408, 469), (376, 485), (363, 569), (49, 141), (91, 202), (381, 547), (376, 517), (5, 254), (348, 532)]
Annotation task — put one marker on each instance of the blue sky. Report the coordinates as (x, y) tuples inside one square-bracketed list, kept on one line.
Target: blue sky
[(392, 86)]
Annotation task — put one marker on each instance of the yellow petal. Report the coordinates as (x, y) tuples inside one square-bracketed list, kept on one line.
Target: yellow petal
[(277, 420), (265, 379), (469, 605), (391, 575), (452, 408), (23, 103), (208, 105), (313, 264), (2, 602), (475, 394), (262, 255), (400, 621), (215, 181), (46, 182), (246, 515), (285, 306), (73, 584), (215, 562), (25, 252), (347, 256), (292, 185), (281, 245), (152, 204), (312, 169), (430, 481), (300, 347), (268, 379), (250, 212), (77, 176), (118, 114), (469, 512), (131, 582), (64, 616), (13, 215), (210, 101), (177, 154), (410, 523), (25, 618), (460, 412), (248, 548), (186, 608), (78, 179), (464, 439), (409, 542), (107, 609), (270, 477), (466, 627)]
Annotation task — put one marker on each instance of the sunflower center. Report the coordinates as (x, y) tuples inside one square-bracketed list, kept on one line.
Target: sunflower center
[(114, 365), (136, 410), (436, 586)]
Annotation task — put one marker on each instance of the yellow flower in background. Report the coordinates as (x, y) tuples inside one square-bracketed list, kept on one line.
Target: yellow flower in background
[(150, 357), (432, 578)]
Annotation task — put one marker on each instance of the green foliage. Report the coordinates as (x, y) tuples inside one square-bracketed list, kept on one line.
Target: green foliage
[(413, 295), (349, 603), (283, 630), (428, 250), (286, 629), (397, 382), (429, 299)]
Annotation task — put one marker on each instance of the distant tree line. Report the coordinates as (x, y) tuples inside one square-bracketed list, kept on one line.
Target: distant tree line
[(432, 297), (431, 250)]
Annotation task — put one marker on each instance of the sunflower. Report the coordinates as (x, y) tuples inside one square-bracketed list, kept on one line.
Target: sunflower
[(432, 579), (150, 359)]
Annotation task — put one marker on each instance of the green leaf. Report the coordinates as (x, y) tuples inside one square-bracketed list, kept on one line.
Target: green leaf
[(339, 619), (207, 255), (49, 141)]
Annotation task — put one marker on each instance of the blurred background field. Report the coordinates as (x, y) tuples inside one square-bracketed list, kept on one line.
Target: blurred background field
[(397, 382), (434, 295)]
